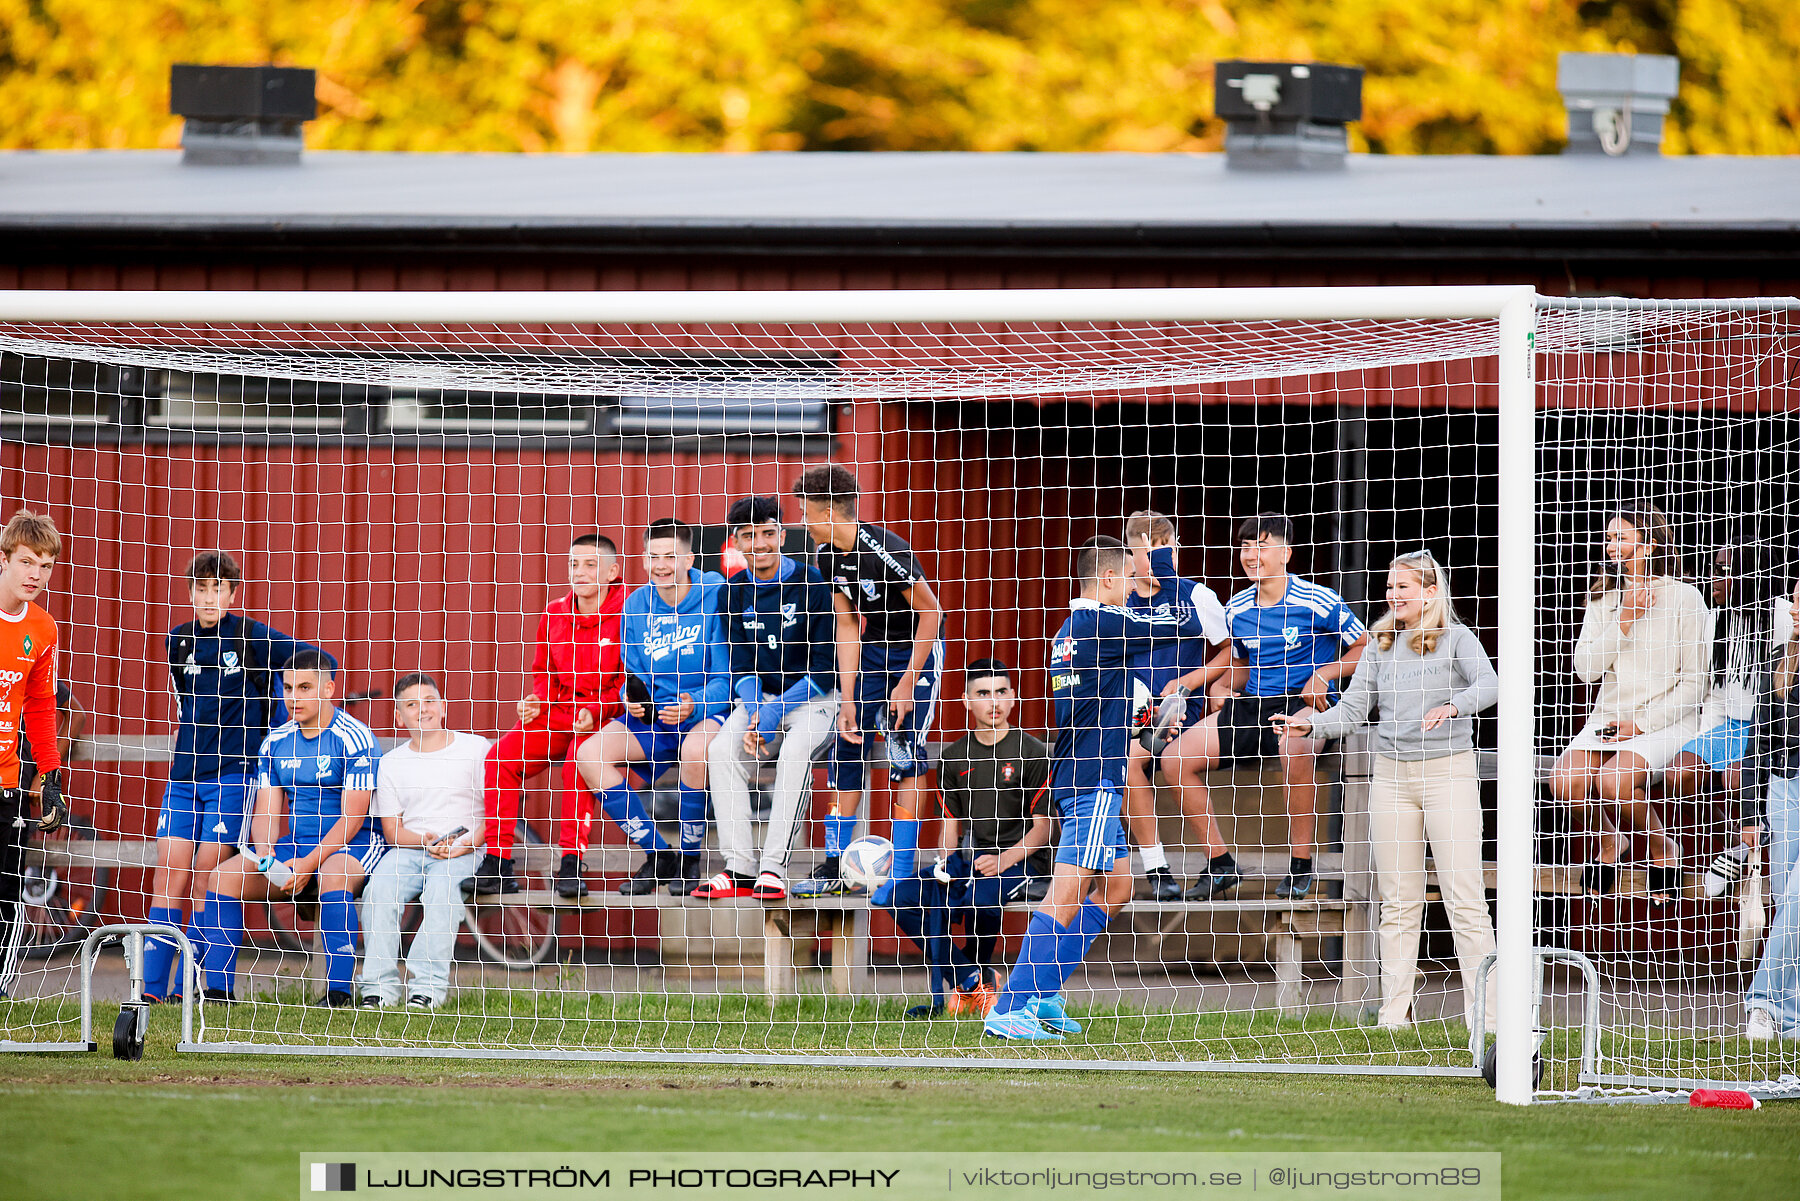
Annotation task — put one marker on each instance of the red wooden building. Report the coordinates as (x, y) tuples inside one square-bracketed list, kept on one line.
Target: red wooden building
[(428, 545)]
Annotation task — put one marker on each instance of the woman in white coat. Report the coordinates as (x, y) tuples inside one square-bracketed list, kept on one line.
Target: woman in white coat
[(1644, 640)]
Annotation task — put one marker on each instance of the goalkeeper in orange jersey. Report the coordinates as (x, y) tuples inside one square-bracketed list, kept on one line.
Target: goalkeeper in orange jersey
[(29, 548)]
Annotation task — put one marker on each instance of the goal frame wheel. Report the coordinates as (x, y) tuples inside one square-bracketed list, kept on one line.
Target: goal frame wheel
[(129, 1031)]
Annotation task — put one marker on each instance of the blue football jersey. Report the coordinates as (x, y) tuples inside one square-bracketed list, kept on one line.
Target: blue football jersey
[(1286, 642), (1090, 680), (316, 772), (1155, 668)]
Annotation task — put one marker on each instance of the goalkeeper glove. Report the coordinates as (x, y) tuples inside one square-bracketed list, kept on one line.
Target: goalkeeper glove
[(54, 813)]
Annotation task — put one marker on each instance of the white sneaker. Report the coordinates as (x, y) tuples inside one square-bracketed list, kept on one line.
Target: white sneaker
[(1726, 869), (1760, 1027)]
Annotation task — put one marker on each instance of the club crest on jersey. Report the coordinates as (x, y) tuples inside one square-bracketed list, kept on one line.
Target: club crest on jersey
[(788, 614), (1007, 772), (868, 587), (1290, 636), (230, 659), (324, 762), (27, 644)]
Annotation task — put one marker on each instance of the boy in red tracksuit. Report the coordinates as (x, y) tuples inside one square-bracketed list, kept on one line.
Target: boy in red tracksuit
[(576, 676)]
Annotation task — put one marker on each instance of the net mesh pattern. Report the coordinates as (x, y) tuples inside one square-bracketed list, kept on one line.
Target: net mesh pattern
[(404, 496)]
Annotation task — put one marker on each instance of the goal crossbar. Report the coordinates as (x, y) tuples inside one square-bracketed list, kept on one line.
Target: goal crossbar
[(923, 305)]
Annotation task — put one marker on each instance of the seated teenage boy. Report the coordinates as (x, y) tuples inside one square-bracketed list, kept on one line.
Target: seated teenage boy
[(1286, 637), (1155, 673), (225, 670), (675, 649), (576, 676), (428, 801), (789, 645), (994, 837), (320, 768)]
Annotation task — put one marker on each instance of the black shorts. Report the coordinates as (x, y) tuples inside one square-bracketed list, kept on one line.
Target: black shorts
[(1244, 729), (14, 835)]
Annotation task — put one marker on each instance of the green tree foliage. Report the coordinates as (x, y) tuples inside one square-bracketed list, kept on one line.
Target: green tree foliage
[(1444, 76)]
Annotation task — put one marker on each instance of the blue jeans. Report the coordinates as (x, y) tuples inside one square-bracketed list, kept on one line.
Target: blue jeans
[(926, 910), (1776, 985), (404, 875)]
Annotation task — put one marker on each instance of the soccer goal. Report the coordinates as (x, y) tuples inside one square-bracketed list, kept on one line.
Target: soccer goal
[(404, 479)]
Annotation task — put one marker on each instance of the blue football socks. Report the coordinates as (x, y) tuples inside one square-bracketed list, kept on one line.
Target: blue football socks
[(905, 837), (159, 952), (693, 819), (1091, 922), (622, 803), (1037, 963), (840, 832), (221, 930), (338, 926)]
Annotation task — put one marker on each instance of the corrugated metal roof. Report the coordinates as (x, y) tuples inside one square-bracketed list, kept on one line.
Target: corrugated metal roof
[(144, 190)]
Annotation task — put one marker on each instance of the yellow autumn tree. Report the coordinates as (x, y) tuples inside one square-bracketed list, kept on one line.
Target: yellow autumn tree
[(1443, 76)]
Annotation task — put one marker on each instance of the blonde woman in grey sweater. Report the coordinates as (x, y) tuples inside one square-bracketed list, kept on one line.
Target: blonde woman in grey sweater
[(1428, 675)]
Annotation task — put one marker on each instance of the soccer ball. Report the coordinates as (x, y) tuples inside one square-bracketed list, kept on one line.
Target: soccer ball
[(866, 863)]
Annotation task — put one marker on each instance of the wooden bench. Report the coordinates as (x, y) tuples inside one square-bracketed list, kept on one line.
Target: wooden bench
[(842, 923)]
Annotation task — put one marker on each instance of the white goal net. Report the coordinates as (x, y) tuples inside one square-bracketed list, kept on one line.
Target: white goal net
[(468, 489)]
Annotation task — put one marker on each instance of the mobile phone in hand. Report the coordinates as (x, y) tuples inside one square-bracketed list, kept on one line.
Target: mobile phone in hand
[(452, 835)]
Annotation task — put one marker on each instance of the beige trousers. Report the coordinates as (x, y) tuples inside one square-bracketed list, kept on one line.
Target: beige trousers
[(1410, 801)]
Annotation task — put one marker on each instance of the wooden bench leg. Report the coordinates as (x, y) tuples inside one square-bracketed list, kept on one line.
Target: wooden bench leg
[(856, 954), (834, 925), (1284, 949), (849, 930), (1359, 992), (778, 955)]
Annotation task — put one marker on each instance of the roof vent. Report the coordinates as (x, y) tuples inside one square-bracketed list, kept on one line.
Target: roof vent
[(1616, 102), (239, 115), (1286, 116)]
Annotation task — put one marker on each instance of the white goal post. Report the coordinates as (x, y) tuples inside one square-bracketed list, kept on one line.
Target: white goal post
[(46, 318)]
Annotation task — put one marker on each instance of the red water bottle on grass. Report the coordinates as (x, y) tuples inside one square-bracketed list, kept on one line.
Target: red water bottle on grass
[(1722, 1098)]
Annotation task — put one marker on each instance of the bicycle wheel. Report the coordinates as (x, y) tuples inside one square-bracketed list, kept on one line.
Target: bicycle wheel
[(60, 903), (514, 937)]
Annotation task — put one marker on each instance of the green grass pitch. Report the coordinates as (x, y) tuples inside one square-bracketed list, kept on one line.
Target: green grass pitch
[(202, 1126)]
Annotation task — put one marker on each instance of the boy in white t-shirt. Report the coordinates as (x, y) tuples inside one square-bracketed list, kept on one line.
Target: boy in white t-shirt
[(430, 810)]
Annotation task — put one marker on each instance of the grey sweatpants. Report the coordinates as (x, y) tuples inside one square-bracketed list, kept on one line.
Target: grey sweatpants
[(808, 727)]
